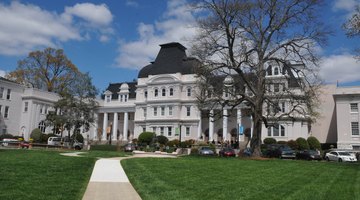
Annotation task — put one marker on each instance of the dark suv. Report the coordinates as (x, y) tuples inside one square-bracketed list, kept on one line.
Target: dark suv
[(279, 151)]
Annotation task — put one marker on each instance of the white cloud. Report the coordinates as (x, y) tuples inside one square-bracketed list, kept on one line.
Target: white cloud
[(97, 15), (343, 68), (2, 73), (132, 3), (347, 5), (25, 27), (176, 25)]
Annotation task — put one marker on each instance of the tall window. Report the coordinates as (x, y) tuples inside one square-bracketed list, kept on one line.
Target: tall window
[(8, 94), (26, 106), (354, 107), (162, 110), (188, 91), (6, 112), (188, 111), (163, 92), (276, 71), (41, 109), (42, 126), (171, 91), (282, 107), (154, 129), (187, 131), (155, 111), (156, 92), (355, 128), (1, 92), (170, 110), (144, 129), (0, 109), (161, 130), (276, 130), (276, 87), (108, 98), (145, 94), (169, 130), (145, 112)]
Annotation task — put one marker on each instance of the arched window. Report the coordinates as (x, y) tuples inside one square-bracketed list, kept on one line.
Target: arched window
[(156, 92), (171, 91), (42, 126), (276, 71), (163, 92)]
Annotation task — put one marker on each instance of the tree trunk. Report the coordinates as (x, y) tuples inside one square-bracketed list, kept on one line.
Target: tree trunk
[(256, 138)]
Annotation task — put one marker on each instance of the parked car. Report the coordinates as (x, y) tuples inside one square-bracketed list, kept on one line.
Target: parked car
[(279, 151), (77, 145), (340, 156), (227, 152), (308, 155), (24, 144), (129, 147), (56, 141), (7, 141), (205, 150)]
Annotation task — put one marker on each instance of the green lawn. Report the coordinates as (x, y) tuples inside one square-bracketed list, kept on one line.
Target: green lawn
[(216, 178)]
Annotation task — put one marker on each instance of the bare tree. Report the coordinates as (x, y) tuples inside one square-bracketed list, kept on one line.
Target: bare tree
[(352, 27), (241, 41)]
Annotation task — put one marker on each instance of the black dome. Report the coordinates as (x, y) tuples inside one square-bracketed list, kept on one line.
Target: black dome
[(171, 59)]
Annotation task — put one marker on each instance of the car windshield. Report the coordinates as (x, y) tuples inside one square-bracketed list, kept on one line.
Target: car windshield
[(344, 154), (285, 148), (206, 148), (312, 152)]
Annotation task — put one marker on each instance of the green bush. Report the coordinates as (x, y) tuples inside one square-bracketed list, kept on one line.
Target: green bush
[(146, 137), (36, 135), (281, 142), (162, 139), (302, 143), (173, 143), (44, 138), (6, 135), (194, 151), (314, 143), (269, 141), (78, 137), (293, 144)]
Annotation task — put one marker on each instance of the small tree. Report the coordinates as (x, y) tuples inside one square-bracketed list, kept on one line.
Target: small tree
[(269, 141), (313, 143), (162, 139), (146, 137), (36, 135), (302, 143)]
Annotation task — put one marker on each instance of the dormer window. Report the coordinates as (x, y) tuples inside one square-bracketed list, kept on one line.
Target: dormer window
[(108, 98), (145, 94), (276, 71), (163, 92), (156, 92)]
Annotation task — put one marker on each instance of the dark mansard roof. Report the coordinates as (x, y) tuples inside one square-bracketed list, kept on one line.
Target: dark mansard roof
[(114, 88), (171, 59)]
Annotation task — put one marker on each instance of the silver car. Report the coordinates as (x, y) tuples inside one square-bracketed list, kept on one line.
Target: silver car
[(206, 150), (340, 156)]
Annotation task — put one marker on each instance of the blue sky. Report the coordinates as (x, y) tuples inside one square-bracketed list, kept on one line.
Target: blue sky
[(113, 39)]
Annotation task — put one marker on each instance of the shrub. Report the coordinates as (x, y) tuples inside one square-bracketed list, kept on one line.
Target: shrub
[(314, 143), (186, 144), (281, 142), (173, 143), (302, 143), (36, 135), (293, 144), (162, 139), (269, 141), (6, 135), (146, 137), (194, 151), (44, 138), (78, 137)]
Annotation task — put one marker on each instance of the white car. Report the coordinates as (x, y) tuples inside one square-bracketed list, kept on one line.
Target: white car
[(340, 156)]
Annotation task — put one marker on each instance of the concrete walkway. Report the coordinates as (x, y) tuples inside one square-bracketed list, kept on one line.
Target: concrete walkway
[(109, 182)]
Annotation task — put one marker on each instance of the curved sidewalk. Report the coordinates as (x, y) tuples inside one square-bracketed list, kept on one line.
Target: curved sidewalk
[(109, 182)]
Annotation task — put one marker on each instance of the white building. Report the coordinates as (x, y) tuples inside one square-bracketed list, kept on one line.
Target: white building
[(24, 108)]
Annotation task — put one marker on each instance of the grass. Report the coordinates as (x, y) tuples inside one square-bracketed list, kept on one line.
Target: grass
[(215, 178), (45, 174)]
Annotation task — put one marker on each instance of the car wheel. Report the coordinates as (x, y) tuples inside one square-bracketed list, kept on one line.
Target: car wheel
[(327, 159), (340, 160)]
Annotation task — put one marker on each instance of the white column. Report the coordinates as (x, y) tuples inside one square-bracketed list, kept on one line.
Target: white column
[(211, 126), (37, 115), (225, 124), (238, 117), (251, 129), (95, 133), (126, 125), (105, 123), (199, 128), (115, 126)]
